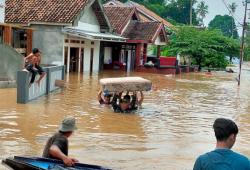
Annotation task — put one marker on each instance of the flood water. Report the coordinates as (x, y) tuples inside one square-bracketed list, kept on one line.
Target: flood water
[(169, 132)]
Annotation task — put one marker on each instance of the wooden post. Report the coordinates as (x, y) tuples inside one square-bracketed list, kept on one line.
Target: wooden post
[(137, 55), (29, 33), (145, 49), (7, 34), (158, 51)]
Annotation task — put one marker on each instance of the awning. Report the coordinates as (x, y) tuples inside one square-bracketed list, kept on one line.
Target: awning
[(93, 35)]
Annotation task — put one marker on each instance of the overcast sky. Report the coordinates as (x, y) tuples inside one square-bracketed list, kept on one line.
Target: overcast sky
[(215, 7)]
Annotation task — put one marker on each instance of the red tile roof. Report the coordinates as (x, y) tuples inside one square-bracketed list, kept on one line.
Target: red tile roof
[(143, 31), (143, 12), (119, 16), (49, 11)]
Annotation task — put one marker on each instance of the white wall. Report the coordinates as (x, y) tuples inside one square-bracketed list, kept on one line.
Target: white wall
[(2, 3), (87, 51), (88, 21), (159, 42)]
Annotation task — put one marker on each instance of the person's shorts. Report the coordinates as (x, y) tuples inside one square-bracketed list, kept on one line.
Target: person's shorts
[(39, 69)]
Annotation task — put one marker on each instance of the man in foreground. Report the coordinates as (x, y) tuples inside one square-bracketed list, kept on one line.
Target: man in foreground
[(223, 158), (57, 145)]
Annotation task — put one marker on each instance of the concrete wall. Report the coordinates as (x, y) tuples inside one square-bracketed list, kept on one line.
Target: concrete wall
[(88, 21), (10, 62), (2, 3), (47, 85), (50, 40)]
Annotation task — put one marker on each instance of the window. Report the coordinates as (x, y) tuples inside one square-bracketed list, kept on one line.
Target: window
[(19, 39), (92, 42), (1, 35)]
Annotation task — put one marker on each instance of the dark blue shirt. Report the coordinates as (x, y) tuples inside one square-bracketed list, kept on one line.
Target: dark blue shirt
[(222, 159)]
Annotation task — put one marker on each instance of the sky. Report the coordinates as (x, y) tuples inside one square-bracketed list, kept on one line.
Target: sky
[(215, 7)]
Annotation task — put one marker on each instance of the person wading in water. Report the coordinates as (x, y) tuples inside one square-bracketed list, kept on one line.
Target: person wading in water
[(57, 145)]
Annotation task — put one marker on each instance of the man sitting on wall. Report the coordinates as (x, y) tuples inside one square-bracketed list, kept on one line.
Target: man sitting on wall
[(32, 64), (223, 158), (57, 145)]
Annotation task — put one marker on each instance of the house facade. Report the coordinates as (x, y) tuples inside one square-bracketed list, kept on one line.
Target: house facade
[(68, 33), (139, 34)]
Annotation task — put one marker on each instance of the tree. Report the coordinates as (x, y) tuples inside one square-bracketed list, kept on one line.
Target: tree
[(226, 24), (206, 47), (232, 8), (179, 10), (202, 10)]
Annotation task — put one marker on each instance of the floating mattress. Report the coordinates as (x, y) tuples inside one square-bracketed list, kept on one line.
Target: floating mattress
[(126, 84)]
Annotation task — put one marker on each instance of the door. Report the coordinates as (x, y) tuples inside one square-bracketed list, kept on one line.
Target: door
[(82, 60), (74, 59), (91, 59)]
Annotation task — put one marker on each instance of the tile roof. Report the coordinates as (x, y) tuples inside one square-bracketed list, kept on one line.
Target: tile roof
[(50, 11), (114, 2), (119, 16), (143, 12), (145, 31)]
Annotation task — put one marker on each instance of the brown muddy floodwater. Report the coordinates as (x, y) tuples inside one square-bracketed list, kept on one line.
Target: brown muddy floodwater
[(169, 132)]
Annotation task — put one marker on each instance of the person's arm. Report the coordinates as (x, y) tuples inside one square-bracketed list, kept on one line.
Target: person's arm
[(141, 99), (27, 58), (99, 97), (197, 165), (57, 153)]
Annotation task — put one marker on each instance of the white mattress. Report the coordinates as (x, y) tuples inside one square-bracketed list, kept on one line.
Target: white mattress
[(126, 84)]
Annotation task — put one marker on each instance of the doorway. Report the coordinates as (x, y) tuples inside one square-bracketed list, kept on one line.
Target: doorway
[(74, 60)]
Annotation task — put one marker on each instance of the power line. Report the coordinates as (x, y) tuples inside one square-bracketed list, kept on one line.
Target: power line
[(230, 11)]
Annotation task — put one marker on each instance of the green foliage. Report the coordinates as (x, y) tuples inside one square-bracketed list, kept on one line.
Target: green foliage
[(226, 24), (205, 47), (247, 47), (179, 10)]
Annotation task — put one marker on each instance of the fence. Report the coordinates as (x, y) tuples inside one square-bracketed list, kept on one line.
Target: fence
[(47, 84)]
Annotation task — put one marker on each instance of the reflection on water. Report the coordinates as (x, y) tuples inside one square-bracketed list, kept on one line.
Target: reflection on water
[(169, 132)]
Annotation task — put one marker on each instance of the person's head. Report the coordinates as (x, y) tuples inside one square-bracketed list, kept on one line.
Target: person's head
[(225, 131), (106, 96), (68, 126), (125, 102), (36, 52)]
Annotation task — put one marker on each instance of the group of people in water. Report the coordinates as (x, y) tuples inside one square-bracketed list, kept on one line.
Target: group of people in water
[(123, 102)]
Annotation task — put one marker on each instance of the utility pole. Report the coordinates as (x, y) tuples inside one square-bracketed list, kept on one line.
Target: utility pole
[(243, 39), (191, 12)]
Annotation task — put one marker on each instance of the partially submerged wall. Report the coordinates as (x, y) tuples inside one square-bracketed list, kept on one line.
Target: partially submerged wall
[(26, 93), (10, 62)]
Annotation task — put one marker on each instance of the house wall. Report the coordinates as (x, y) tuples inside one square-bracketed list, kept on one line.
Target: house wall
[(10, 62), (88, 44), (2, 3), (159, 42), (88, 21), (50, 40)]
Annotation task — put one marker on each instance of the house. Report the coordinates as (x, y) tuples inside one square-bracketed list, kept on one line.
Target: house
[(67, 32), (144, 13), (132, 53)]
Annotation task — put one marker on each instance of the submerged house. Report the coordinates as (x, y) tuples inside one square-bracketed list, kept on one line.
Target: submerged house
[(67, 32)]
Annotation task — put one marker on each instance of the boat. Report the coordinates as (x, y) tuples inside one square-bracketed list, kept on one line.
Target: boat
[(37, 163), (126, 84)]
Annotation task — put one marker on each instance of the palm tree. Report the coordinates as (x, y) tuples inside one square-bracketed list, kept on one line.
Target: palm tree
[(232, 8), (202, 10)]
